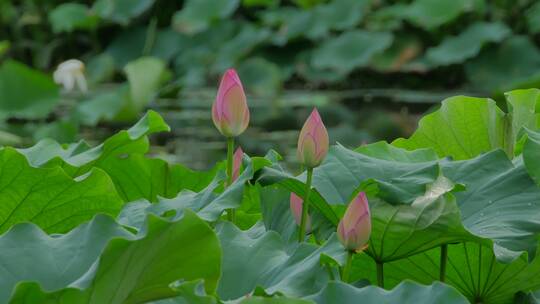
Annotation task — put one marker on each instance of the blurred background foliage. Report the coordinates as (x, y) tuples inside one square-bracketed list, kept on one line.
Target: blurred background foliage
[(371, 66)]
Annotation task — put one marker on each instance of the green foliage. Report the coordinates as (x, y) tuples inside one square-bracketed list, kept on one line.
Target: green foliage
[(310, 41), (517, 65), (350, 50), (25, 92), (121, 11), (468, 179), (462, 128), (406, 292), (72, 16), (467, 44), (49, 197), (132, 269), (197, 15)]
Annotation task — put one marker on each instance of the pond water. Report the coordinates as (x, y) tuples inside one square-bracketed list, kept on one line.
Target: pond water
[(352, 118)]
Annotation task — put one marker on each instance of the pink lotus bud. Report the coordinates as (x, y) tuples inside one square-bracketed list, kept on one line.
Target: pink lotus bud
[(237, 162), (354, 228), (230, 112), (296, 208), (313, 141)]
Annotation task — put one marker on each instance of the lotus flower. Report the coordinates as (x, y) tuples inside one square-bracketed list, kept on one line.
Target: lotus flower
[(70, 74), (230, 112), (313, 141), (237, 163), (296, 209), (354, 228)]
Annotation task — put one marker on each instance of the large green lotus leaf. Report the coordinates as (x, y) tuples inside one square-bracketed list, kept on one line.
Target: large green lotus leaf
[(76, 159), (401, 228), (383, 150), (72, 16), (518, 66), (318, 22), (292, 22), (315, 23), (130, 269), (344, 170), (531, 155), (350, 50), (533, 18), (336, 15), (23, 258), (501, 202), (399, 231), (121, 11), (49, 197), (259, 259), (197, 15), (462, 128), (137, 176), (244, 41), (523, 106), (421, 214), (432, 14), (209, 204), (406, 293), (472, 268), (467, 44), (25, 92)]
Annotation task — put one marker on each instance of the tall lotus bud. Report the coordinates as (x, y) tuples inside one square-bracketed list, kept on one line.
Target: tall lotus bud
[(230, 112), (296, 209), (313, 141), (354, 228), (237, 163)]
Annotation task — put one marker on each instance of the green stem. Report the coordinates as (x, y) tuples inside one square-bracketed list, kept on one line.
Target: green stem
[(230, 147), (380, 274), (347, 268), (444, 258), (305, 207)]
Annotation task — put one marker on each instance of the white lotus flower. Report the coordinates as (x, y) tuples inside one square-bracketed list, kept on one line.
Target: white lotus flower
[(70, 74)]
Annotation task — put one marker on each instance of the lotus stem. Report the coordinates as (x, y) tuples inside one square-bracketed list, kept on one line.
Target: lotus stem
[(231, 213), (305, 207), (444, 258), (380, 274), (347, 268)]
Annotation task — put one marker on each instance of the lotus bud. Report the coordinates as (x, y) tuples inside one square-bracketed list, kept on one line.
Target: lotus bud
[(296, 209), (313, 141), (230, 112), (354, 228), (237, 163)]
